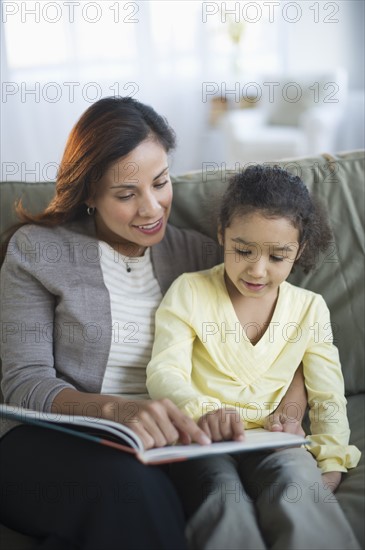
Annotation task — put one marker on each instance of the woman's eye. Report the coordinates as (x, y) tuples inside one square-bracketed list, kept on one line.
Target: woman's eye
[(160, 185), (125, 197)]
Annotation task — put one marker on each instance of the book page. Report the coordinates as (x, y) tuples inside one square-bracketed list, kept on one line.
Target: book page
[(256, 439), (118, 436), (109, 428)]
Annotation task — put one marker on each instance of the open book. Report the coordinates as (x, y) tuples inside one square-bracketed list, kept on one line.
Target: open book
[(118, 436)]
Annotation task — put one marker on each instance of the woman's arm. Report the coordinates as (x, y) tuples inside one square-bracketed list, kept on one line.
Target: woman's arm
[(29, 375), (289, 414), (35, 341)]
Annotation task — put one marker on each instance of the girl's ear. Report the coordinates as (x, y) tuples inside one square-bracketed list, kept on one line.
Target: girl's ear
[(220, 235), (300, 251)]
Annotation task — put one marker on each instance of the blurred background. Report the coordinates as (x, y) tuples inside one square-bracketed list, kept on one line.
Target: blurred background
[(238, 81)]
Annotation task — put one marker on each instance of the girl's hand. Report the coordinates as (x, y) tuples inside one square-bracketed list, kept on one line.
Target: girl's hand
[(331, 480), (157, 423), (224, 424), (279, 422), (289, 414)]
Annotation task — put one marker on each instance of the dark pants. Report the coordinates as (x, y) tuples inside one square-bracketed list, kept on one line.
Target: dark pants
[(75, 494)]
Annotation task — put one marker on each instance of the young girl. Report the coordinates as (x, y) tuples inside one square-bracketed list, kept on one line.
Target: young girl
[(227, 343)]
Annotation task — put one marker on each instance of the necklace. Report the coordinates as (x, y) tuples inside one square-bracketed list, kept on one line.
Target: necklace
[(130, 259)]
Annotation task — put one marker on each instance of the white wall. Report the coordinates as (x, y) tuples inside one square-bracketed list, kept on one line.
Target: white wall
[(314, 46)]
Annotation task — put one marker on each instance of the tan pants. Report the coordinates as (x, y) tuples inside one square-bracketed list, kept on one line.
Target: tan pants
[(255, 501)]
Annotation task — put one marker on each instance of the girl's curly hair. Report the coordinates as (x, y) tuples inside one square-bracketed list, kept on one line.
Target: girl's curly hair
[(274, 192)]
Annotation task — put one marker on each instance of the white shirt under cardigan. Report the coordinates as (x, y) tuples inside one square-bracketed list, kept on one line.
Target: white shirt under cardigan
[(134, 298)]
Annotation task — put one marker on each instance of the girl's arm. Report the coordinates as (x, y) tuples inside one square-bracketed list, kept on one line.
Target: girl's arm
[(287, 417), (329, 427), (289, 414), (170, 369), (332, 480)]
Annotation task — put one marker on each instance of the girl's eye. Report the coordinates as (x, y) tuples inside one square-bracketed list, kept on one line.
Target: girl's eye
[(243, 252), (276, 258)]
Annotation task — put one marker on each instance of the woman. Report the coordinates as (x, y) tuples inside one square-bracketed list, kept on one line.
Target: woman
[(80, 286)]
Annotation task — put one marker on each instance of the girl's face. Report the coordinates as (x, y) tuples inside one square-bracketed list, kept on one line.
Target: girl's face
[(133, 202), (259, 254)]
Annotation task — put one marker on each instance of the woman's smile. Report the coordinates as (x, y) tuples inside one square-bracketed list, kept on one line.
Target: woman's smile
[(150, 228)]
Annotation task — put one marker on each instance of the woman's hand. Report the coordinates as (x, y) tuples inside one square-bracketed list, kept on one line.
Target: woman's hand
[(157, 423), (280, 422), (331, 480), (224, 424)]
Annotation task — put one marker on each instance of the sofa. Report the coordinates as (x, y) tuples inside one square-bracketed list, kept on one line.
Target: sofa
[(339, 181)]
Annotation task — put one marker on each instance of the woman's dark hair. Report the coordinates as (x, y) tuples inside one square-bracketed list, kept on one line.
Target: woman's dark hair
[(275, 193), (107, 131)]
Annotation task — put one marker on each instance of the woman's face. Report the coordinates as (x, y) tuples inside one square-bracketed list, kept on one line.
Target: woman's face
[(134, 198)]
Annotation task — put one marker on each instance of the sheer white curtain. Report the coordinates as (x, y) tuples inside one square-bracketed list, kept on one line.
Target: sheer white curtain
[(59, 56)]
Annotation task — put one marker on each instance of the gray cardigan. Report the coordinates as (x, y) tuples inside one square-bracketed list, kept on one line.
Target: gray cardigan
[(56, 319)]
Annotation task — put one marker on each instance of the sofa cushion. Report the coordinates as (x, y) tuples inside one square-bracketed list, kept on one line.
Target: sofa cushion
[(35, 197), (350, 493)]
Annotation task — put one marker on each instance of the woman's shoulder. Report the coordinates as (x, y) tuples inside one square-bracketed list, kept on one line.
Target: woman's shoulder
[(37, 233), (35, 246)]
